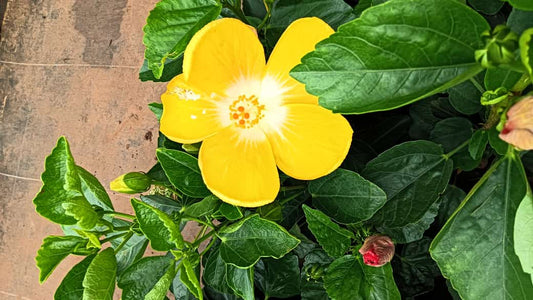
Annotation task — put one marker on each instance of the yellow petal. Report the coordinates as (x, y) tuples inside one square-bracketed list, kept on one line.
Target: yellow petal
[(238, 167), (298, 39), (222, 54), (311, 142), (189, 116)]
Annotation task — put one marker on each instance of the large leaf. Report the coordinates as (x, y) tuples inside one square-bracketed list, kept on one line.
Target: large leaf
[(523, 237), (130, 252), (475, 248), (347, 279), (278, 278), (334, 239), (99, 281), (522, 4), (243, 243), (171, 25), (415, 230), (412, 174), (183, 172), (346, 197), (140, 278), (207, 206), (71, 287), (241, 281), (215, 272), (451, 132), (164, 204), (54, 249), (394, 54), (162, 232), (93, 190)]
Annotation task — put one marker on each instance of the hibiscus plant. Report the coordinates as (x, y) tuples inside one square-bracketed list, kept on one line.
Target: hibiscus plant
[(319, 149)]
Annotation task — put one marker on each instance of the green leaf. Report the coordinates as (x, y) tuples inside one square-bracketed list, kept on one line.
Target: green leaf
[(488, 7), (426, 113), (498, 77), (162, 232), (415, 230), (451, 132), (99, 281), (141, 277), (526, 50), (157, 109), (346, 197), (71, 288), (190, 279), (180, 290), (215, 272), (450, 200), (412, 174), (522, 4), (477, 144), (83, 212), (207, 206), (496, 143), (93, 190), (394, 54), (333, 12), (475, 247), (272, 211), (162, 203), (465, 97), (523, 239), (54, 249), (241, 281), (520, 20), (362, 5), (171, 69), (416, 271), (278, 278), (214, 295), (132, 251), (61, 184), (230, 212), (171, 25), (348, 279), (160, 289), (183, 172), (334, 239), (243, 243)]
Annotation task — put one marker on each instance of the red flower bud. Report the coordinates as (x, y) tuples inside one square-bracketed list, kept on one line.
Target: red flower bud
[(377, 250), (518, 130)]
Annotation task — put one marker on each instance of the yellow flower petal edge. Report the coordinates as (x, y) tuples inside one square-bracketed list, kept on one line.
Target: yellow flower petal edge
[(252, 116)]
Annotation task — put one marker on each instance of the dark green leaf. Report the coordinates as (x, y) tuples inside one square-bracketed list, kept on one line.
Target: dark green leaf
[(141, 277), (99, 280), (346, 197), (254, 8), (160, 289), (157, 226), (207, 206), (334, 239), (522, 4), (312, 289), (243, 243), (93, 190), (157, 174), (414, 231), (171, 25), (164, 204), (523, 239), (451, 132), (477, 144), (180, 290), (183, 172), (272, 211), (362, 5), (171, 69), (333, 12), (241, 281), (394, 54), (498, 77), (132, 251), (412, 174), (488, 7), (214, 295), (305, 246), (190, 279), (215, 274), (54, 249), (157, 109), (426, 113), (450, 200), (465, 97), (383, 133), (71, 287), (230, 212), (520, 20), (496, 143), (360, 153), (279, 278), (475, 247)]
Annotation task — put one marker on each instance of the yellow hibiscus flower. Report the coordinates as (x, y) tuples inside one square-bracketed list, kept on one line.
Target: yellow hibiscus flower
[(251, 115)]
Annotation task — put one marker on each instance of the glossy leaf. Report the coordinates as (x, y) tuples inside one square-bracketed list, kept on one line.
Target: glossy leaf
[(180, 290), (346, 197), (171, 25), (523, 239), (394, 54), (520, 20), (334, 239), (449, 202), (522, 4), (526, 50), (496, 143), (71, 287), (476, 247), (132, 251), (183, 172), (412, 174), (278, 278), (498, 77), (160, 289), (415, 230), (488, 7), (465, 97), (162, 232), (478, 143), (99, 281), (451, 132), (243, 243), (207, 206), (190, 279), (93, 190), (140, 278), (162, 203), (83, 212), (230, 212), (53, 250), (215, 272), (241, 281)]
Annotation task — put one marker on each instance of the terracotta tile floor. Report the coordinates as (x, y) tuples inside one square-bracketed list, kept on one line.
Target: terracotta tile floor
[(67, 67)]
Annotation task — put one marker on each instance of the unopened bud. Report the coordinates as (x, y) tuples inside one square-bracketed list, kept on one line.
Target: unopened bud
[(377, 250), (500, 47), (495, 97), (131, 183), (518, 129)]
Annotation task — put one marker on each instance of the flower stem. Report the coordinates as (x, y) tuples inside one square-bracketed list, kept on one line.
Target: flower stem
[(236, 9), (126, 239), (459, 148), (119, 214), (113, 237)]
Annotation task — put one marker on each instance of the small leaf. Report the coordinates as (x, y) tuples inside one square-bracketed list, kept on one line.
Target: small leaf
[(99, 281), (498, 77), (83, 212), (243, 243), (162, 232), (488, 7), (450, 200), (415, 230), (160, 289), (53, 250), (496, 143), (230, 212), (346, 197), (171, 68), (520, 20), (526, 50), (93, 190), (183, 172), (334, 239), (477, 144), (141, 277), (215, 274), (395, 54), (180, 290), (162, 203), (157, 109), (523, 239), (190, 279), (465, 97), (278, 278), (241, 281), (171, 25), (451, 132), (71, 288), (207, 206)]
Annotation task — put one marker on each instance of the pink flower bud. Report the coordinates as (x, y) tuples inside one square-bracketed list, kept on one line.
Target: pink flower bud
[(377, 250), (518, 130)]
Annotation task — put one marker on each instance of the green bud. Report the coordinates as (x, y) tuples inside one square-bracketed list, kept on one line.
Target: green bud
[(495, 97), (191, 148), (131, 183), (500, 47)]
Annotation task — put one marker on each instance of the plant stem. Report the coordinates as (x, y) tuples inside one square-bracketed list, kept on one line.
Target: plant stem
[(291, 188), (119, 214), (263, 22), (208, 246), (113, 237), (124, 241), (198, 221), (477, 85), (203, 238), (459, 148), (237, 10)]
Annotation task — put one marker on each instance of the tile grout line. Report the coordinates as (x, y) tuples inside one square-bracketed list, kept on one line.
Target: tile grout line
[(14, 295), (19, 177), (69, 65)]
